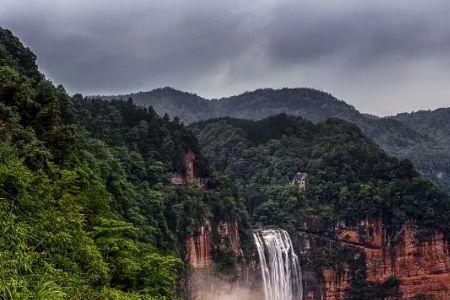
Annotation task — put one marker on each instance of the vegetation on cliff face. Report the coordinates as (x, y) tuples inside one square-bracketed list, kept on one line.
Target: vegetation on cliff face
[(350, 179), (86, 208)]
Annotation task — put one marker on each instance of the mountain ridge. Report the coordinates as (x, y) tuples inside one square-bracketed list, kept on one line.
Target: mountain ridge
[(395, 134)]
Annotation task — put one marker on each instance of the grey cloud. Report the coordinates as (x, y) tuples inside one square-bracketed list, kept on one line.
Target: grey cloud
[(350, 47), (116, 50), (360, 35)]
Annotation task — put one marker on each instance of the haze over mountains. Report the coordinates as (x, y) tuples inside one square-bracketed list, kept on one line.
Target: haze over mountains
[(422, 137)]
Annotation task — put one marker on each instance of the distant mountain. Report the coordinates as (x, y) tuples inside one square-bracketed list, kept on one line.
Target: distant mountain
[(186, 106), (433, 159), (434, 123), (311, 104), (314, 104), (422, 137)]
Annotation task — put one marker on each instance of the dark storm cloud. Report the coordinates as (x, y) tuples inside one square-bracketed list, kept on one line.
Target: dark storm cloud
[(367, 52), (360, 34), (114, 46)]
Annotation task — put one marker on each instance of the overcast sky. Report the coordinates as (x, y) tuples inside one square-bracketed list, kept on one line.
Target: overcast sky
[(382, 56)]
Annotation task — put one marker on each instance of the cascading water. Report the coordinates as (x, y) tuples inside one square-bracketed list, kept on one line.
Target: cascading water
[(280, 269)]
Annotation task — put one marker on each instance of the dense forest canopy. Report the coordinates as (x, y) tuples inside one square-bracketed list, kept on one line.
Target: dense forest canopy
[(349, 180), (86, 208), (402, 136), (349, 177)]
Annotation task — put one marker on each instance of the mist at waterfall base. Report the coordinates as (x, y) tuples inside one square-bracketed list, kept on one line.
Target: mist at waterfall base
[(280, 269), (209, 286), (281, 277)]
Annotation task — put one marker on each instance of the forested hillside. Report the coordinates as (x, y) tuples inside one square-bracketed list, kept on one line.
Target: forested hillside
[(87, 210), (428, 152), (188, 107), (350, 183), (434, 123), (433, 159), (349, 177)]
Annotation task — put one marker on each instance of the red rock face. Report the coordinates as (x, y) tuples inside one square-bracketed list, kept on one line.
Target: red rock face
[(198, 247), (422, 267), (335, 285)]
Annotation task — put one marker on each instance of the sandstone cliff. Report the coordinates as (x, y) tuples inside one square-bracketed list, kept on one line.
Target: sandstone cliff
[(198, 248), (422, 267), (199, 251)]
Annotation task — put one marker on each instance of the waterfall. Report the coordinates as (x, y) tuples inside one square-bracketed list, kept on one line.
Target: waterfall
[(280, 270)]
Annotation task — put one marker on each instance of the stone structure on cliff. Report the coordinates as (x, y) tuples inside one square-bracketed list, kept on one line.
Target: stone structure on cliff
[(177, 180), (300, 180)]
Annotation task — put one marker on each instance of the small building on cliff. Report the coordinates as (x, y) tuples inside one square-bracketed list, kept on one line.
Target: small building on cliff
[(300, 180)]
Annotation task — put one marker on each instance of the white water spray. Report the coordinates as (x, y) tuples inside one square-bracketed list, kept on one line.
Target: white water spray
[(280, 269)]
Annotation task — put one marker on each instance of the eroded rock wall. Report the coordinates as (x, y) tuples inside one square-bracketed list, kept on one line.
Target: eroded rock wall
[(199, 251), (198, 248), (421, 267)]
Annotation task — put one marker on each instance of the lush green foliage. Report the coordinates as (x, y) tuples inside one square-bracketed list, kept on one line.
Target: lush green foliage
[(349, 177), (123, 124), (420, 137), (86, 208)]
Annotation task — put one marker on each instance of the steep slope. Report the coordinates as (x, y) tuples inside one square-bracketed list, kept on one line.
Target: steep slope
[(433, 159), (367, 220), (89, 208), (434, 123)]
